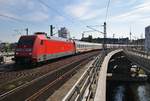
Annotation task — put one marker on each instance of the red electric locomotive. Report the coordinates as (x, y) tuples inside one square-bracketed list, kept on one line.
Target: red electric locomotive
[(38, 48)]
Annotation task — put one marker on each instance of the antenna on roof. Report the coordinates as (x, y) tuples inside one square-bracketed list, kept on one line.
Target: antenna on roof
[(27, 30)]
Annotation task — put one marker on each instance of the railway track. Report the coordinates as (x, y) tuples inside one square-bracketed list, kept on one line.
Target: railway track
[(36, 82), (10, 75)]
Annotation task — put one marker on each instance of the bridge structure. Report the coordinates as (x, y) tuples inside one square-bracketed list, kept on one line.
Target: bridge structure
[(116, 65)]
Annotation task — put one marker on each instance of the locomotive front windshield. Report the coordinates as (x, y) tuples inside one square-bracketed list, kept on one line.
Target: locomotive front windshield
[(26, 41)]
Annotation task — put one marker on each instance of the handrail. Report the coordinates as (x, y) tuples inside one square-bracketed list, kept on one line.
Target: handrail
[(77, 91), (143, 54)]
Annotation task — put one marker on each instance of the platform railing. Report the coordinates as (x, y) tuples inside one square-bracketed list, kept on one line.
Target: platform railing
[(141, 53), (140, 58), (83, 89)]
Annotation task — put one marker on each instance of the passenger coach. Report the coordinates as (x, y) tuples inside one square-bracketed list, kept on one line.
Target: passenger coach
[(86, 46)]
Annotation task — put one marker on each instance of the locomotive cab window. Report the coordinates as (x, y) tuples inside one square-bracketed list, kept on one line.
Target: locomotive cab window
[(26, 41)]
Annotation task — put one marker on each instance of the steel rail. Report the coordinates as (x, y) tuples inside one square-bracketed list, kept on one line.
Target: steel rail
[(41, 91), (3, 96), (31, 82)]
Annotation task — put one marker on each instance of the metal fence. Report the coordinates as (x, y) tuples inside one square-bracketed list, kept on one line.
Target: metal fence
[(84, 87), (141, 53)]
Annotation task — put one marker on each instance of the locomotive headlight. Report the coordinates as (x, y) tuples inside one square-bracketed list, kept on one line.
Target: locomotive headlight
[(30, 53), (28, 50), (19, 49)]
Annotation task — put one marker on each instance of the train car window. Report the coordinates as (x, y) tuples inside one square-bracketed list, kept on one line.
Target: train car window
[(26, 41), (42, 41)]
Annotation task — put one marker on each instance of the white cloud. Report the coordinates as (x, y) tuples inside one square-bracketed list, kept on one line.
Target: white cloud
[(130, 2), (137, 13), (8, 15), (7, 2), (78, 10), (121, 3), (137, 17), (34, 11), (82, 10), (116, 1), (14, 2), (59, 18), (36, 16)]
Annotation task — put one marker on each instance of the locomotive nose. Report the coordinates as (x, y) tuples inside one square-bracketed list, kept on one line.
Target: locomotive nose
[(24, 51)]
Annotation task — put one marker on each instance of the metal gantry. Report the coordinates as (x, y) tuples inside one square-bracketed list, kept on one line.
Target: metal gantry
[(105, 36)]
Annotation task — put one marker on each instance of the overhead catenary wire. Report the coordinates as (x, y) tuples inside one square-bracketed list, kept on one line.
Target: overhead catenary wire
[(56, 11), (107, 10), (106, 16), (43, 3), (10, 17), (59, 13)]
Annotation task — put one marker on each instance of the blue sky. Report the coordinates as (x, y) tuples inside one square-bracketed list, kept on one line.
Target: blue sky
[(75, 15)]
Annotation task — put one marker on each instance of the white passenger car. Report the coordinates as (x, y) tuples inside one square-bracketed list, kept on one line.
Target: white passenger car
[(86, 46)]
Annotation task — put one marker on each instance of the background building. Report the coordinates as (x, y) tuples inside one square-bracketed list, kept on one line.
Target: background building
[(147, 38), (63, 32)]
